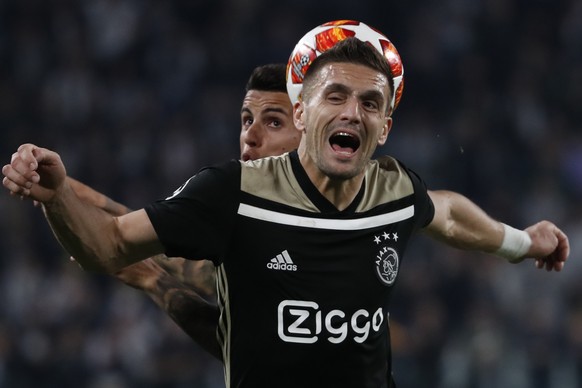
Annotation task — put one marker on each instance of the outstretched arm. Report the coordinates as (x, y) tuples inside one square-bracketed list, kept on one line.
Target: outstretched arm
[(462, 224), (99, 241), (39, 174), (198, 274), (182, 288)]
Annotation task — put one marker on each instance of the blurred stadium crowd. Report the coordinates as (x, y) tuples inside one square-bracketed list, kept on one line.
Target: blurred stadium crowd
[(137, 95)]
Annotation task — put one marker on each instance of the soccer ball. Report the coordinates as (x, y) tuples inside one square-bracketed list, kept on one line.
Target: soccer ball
[(325, 36)]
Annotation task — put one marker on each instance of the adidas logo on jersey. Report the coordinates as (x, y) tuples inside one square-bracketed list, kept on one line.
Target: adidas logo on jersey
[(282, 262)]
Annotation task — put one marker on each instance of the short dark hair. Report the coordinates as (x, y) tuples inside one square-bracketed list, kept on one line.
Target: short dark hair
[(350, 50), (268, 78)]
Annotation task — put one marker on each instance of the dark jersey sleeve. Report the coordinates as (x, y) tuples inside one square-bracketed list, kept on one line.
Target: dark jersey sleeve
[(195, 222), (424, 207)]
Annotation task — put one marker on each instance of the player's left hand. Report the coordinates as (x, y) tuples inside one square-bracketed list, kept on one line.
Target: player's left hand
[(550, 246)]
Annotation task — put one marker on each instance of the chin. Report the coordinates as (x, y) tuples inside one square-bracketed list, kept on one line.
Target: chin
[(341, 173)]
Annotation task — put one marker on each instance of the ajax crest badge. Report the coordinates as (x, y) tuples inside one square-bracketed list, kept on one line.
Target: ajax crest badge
[(387, 261)]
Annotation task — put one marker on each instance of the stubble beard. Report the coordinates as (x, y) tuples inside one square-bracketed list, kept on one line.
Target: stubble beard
[(336, 174)]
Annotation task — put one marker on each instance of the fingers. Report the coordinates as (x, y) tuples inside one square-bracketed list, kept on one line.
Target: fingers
[(557, 259), (20, 174), (559, 265), (27, 156), (563, 249), (17, 182), (550, 263)]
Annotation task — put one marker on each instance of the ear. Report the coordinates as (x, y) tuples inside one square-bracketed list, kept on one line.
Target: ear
[(385, 131), (298, 111)]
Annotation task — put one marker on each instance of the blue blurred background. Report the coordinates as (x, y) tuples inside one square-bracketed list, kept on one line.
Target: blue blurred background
[(137, 95)]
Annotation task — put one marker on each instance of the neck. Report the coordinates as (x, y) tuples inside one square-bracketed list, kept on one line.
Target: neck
[(340, 192)]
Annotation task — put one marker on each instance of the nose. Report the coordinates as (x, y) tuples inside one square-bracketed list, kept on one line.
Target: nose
[(351, 111), (252, 136)]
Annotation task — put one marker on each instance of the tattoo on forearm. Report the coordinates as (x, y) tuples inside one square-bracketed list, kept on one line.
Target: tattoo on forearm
[(195, 315)]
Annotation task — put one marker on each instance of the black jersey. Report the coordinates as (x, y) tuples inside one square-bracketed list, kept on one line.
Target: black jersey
[(303, 288)]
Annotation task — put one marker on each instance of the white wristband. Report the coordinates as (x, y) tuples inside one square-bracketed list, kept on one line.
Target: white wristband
[(515, 245)]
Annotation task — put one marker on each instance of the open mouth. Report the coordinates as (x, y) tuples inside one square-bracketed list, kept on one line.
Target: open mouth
[(344, 142)]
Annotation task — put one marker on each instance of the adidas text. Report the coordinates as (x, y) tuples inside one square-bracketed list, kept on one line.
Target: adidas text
[(283, 266)]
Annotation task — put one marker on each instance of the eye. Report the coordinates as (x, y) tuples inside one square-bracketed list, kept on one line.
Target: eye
[(370, 105), (336, 97), (247, 121)]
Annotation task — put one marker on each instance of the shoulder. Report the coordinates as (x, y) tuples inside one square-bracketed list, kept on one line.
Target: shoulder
[(254, 172), (391, 165), (387, 180), (275, 179), (387, 163), (387, 170), (269, 163), (211, 178), (392, 180)]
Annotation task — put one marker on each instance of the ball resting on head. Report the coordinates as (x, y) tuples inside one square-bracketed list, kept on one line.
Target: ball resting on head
[(325, 36)]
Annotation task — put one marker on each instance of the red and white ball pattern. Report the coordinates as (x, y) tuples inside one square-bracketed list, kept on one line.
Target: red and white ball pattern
[(326, 36)]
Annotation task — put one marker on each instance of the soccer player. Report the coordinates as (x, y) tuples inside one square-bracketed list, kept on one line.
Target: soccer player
[(307, 245), (186, 289)]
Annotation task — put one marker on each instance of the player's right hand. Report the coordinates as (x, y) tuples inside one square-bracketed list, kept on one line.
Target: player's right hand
[(34, 172)]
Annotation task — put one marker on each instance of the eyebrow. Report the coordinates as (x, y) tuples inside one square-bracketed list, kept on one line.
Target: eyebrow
[(367, 95), (335, 87), (267, 110)]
